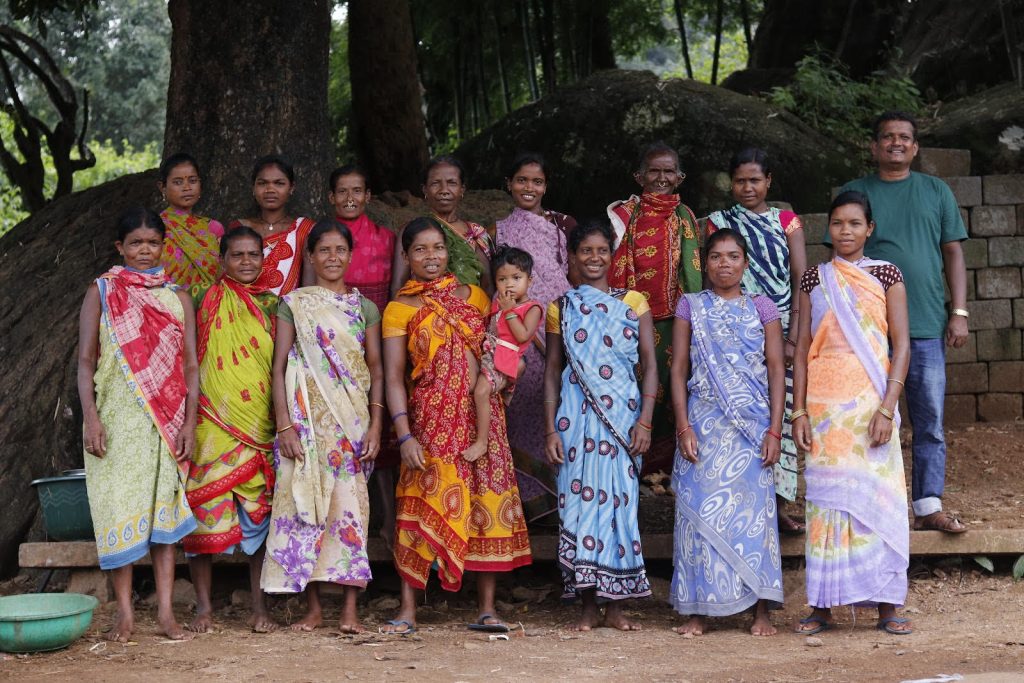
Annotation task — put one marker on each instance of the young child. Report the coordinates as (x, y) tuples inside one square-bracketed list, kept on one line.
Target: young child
[(514, 322)]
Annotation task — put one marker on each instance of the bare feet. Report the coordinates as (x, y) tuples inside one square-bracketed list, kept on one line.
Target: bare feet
[(762, 626), (312, 620), (590, 618), (121, 631), (167, 625), (262, 622), (614, 618), (349, 623), (693, 627), (351, 629), (201, 623), (473, 453)]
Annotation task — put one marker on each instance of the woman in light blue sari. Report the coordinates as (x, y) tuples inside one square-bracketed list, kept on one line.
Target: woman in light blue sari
[(598, 425), (729, 416)]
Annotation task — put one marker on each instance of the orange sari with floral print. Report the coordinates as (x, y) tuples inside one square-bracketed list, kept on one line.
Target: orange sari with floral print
[(460, 515)]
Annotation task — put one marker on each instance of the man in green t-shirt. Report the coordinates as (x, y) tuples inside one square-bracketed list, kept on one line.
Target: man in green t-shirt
[(918, 228)]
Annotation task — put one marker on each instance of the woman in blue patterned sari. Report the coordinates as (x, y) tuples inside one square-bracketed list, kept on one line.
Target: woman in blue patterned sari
[(729, 417), (598, 426)]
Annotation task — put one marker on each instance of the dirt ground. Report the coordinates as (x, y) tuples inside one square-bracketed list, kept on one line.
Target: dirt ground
[(967, 622)]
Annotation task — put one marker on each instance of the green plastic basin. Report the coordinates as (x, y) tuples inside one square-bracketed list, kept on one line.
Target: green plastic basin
[(65, 504), (37, 622)]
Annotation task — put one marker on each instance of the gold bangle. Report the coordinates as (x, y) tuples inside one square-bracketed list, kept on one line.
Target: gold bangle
[(797, 414), (379, 405), (898, 381), (884, 412), (282, 431)]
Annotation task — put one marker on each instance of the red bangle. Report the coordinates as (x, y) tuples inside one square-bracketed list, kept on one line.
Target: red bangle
[(775, 434), (649, 396), (684, 430), (644, 426)]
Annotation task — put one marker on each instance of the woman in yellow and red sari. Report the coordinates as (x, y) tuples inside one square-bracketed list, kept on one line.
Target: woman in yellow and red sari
[(192, 244), (231, 477), (452, 513)]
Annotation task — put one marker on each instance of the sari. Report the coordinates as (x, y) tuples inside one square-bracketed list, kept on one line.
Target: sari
[(726, 553), (858, 538), (318, 527), (370, 268), (231, 478), (545, 239), (462, 250), (463, 516), (598, 484), (769, 273), (191, 255), (282, 256), (657, 253), (137, 491)]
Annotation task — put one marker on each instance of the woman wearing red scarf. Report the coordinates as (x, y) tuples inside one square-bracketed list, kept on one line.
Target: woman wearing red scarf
[(657, 253)]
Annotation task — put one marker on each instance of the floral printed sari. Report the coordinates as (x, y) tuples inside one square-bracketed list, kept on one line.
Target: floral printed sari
[(191, 256)]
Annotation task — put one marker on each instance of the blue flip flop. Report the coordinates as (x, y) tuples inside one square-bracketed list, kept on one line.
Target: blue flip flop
[(886, 625), (822, 625), (408, 631), (482, 625)]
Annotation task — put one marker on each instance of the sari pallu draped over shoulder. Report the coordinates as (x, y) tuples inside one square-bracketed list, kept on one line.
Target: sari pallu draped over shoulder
[(598, 484), (191, 255), (463, 516), (231, 470), (726, 545), (150, 355), (462, 250), (857, 532), (318, 530)]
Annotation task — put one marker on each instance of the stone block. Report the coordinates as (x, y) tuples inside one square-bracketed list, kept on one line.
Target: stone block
[(998, 283), (967, 378), (1004, 189), (990, 221), (1006, 376), (815, 227), (967, 190), (999, 344), (966, 218), (999, 407), (993, 314), (968, 353), (1020, 219), (961, 408), (944, 163), (1005, 251), (1018, 313), (975, 253), (93, 582), (818, 253)]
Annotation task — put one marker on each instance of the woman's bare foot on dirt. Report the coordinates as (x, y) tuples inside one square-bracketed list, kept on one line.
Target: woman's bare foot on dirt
[(262, 622), (693, 627), (167, 625), (201, 623), (121, 631), (762, 626), (349, 624), (614, 618), (474, 452), (590, 618), (312, 620), (350, 628)]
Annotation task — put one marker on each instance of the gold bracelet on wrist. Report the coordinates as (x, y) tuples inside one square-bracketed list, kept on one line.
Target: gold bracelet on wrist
[(885, 412), (797, 414)]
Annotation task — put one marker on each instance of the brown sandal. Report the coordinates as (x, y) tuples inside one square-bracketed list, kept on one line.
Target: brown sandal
[(940, 521)]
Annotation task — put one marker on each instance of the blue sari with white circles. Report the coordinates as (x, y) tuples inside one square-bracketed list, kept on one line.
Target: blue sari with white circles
[(598, 485)]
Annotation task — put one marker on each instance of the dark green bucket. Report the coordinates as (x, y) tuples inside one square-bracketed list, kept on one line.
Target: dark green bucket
[(65, 504)]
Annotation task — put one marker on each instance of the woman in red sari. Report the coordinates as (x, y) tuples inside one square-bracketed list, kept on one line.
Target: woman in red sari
[(284, 237)]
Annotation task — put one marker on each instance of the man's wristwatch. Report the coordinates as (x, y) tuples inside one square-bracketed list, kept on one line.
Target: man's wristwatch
[(963, 312)]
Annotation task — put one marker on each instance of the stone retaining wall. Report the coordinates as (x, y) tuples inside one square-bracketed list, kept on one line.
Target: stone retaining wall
[(985, 378)]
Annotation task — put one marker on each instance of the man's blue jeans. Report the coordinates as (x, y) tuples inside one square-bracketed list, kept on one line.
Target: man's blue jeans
[(925, 392)]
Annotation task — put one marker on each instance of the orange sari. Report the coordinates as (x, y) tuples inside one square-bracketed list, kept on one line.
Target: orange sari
[(460, 515)]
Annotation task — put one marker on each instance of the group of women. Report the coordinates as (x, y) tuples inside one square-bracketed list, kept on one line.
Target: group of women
[(239, 386)]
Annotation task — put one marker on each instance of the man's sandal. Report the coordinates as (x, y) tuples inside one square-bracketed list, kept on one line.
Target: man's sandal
[(886, 625), (821, 624), (940, 521)]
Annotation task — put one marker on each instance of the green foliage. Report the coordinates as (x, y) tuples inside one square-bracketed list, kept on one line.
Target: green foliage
[(824, 96), (1018, 569), (339, 92), (985, 563)]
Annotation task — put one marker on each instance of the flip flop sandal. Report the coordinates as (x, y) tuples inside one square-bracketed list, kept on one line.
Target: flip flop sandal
[(482, 625), (822, 625), (886, 625), (407, 631)]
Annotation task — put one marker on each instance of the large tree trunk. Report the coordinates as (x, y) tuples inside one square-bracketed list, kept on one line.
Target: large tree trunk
[(245, 83), (390, 133)]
